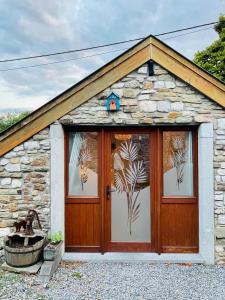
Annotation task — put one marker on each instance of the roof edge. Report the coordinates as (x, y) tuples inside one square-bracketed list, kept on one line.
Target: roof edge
[(148, 48)]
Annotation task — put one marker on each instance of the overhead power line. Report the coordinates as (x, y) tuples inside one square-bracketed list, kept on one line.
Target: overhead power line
[(104, 45), (92, 55)]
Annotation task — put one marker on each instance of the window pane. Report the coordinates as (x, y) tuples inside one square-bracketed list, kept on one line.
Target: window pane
[(83, 164), (177, 163), (130, 174)]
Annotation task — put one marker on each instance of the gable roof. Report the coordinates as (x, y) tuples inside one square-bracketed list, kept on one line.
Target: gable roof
[(149, 48)]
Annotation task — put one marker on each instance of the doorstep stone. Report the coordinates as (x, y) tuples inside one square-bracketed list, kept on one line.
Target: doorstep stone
[(25, 270)]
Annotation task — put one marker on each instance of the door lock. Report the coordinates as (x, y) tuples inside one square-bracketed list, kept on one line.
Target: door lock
[(109, 191)]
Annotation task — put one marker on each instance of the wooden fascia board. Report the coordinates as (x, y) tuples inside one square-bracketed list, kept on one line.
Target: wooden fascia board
[(79, 95), (188, 72)]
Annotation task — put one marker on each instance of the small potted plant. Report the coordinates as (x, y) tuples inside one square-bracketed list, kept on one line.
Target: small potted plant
[(54, 247)]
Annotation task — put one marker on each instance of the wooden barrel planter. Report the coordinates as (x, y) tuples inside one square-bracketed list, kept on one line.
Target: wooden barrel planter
[(23, 251)]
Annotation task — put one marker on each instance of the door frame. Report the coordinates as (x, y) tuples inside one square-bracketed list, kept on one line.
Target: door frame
[(130, 246), (156, 152)]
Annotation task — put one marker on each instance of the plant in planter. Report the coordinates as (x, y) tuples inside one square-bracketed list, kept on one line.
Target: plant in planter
[(52, 255), (54, 247), (55, 238)]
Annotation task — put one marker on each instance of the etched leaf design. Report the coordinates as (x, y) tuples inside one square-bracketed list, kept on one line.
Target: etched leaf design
[(178, 157), (129, 151), (177, 142), (118, 163), (120, 187), (136, 173), (85, 155), (136, 212)]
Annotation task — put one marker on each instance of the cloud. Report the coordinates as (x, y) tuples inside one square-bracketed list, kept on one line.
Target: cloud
[(34, 27)]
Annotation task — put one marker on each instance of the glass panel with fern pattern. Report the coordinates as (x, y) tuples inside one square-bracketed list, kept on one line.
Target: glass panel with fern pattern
[(130, 173), (83, 164), (177, 163)]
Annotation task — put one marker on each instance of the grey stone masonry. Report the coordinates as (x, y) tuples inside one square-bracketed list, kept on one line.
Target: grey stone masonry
[(24, 182)]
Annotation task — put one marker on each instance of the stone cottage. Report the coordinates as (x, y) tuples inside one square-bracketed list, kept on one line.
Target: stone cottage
[(129, 162)]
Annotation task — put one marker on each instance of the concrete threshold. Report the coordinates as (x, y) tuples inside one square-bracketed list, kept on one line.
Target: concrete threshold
[(134, 257)]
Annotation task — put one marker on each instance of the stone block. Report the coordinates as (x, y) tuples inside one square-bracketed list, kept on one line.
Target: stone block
[(31, 145), (16, 183), (4, 161), (203, 118), (14, 160), (143, 97), (6, 181), (117, 85), (143, 70), (26, 270), (132, 84), (147, 106), (220, 232), (177, 106), (170, 85), (25, 160), (221, 123), (164, 121), (183, 120), (10, 154), (221, 219), (148, 85), (12, 167), (146, 121), (164, 106), (18, 148), (221, 172), (159, 84), (174, 114), (130, 93)]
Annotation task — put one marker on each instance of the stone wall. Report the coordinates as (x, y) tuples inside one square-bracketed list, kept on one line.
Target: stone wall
[(24, 182), (163, 99)]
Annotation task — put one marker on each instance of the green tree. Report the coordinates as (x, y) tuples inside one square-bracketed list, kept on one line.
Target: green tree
[(11, 120), (212, 59)]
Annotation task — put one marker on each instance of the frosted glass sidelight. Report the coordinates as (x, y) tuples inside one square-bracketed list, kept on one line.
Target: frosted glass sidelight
[(83, 164), (177, 163), (130, 174)]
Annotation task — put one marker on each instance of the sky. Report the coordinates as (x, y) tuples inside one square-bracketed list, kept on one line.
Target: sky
[(33, 27)]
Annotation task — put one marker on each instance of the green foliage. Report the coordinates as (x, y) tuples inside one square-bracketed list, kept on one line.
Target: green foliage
[(77, 275), (11, 120), (212, 59), (55, 237)]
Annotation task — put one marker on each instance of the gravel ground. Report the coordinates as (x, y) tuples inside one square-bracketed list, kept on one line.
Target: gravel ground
[(118, 281)]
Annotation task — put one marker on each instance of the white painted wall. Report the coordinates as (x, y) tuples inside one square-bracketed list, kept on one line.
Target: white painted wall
[(206, 199), (57, 178)]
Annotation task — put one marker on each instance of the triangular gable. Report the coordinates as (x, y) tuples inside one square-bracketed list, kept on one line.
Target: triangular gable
[(148, 49)]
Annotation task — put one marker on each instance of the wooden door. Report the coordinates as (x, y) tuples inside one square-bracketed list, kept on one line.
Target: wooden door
[(129, 191)]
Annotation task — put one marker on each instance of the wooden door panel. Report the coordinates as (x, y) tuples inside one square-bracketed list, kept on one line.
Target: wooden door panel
[(179, 228), (83, 226), (83, 164), (178, 214)]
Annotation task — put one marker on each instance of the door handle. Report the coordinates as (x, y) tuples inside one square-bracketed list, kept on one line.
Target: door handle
[(109, 191)]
